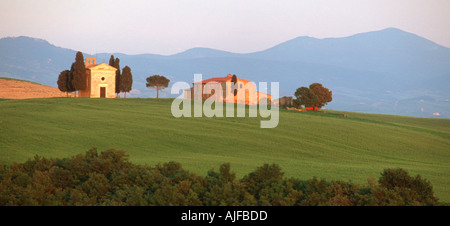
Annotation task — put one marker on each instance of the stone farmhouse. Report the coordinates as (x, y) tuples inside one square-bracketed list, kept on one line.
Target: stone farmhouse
[(247, 93)]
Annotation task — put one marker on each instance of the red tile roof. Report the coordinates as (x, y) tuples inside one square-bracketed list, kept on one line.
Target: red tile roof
[(268, 95), (223, 79)]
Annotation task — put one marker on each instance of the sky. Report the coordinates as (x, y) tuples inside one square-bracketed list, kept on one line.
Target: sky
[(242, 26)]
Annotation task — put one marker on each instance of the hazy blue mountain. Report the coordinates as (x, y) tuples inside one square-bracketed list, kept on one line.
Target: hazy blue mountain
[(201, 52), (389, 71), (33, 59), (405, 59)]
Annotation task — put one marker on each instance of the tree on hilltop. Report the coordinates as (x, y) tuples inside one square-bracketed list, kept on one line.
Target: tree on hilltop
[(323, 94), (157, 82), (305, 97)]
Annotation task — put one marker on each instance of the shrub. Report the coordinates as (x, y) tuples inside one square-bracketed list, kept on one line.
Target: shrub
[(108, 178), (397, 187)]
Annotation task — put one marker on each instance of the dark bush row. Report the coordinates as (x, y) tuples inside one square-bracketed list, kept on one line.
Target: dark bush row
[(109, 178)]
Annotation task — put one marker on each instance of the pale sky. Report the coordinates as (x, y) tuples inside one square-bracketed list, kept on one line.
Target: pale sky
[(242, 26)]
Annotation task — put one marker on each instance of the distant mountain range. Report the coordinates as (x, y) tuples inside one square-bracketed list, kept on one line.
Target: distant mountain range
[(389, 71)]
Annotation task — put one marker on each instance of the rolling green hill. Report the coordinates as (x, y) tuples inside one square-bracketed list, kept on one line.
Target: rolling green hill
[(304, 144)]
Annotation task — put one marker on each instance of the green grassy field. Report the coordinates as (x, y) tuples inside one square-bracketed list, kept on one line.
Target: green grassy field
[(304, 144)]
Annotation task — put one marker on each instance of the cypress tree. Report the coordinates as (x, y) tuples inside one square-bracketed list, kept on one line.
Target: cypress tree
[(234, 81), (118, 75), (63, 81), (78, 72), (126, 80), (70, 79), (115, 62), (111, 61)]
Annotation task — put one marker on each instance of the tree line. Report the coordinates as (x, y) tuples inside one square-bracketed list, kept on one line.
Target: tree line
[(109, 178), (75, 79)]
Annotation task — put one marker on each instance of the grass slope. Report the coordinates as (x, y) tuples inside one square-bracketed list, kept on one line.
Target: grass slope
[(20, 80), (303, 144)]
